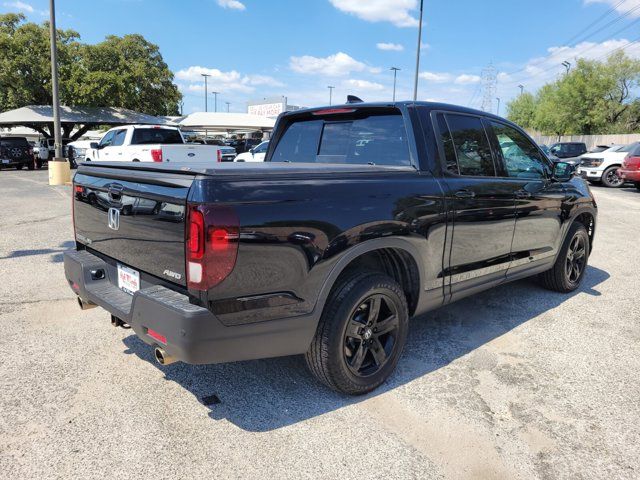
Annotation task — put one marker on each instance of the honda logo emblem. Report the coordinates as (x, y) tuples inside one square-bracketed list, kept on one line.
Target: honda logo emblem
[(114, 219)]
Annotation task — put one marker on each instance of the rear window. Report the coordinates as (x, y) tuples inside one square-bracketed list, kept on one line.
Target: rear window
[(145, 136), (379, 139), (14, 142)]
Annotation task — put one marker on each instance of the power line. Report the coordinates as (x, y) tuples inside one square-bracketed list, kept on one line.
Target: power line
[(597, 20)]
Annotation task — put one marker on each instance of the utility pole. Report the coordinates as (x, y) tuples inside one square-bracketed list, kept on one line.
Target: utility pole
[(215, 101), (521, 87), (567, 65), (415, 81), (498, 111), (181, 107), (228, 103), (206, 96), (330, 93), (54, 80), (395, 72)]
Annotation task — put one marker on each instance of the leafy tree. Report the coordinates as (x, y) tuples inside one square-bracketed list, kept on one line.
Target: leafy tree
[(126, 72), (522, 109), (595, 97)]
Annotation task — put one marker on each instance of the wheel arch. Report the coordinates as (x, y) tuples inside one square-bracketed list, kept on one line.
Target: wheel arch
[(395, 257)]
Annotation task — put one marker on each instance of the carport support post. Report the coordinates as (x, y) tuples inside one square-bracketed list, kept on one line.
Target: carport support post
[(59, 172)]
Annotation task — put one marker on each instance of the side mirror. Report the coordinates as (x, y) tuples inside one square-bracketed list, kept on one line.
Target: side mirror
[(94, 145), (563, 171), (252, 151)]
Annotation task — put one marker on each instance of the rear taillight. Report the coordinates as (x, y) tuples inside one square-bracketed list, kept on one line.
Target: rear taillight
[(219, 155), (156, 154), (632, 162), (211, 245)]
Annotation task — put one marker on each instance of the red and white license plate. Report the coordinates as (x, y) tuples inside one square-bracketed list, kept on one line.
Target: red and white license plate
[(128, 279)]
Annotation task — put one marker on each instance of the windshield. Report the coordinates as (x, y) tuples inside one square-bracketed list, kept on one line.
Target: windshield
[(628, 148), (146, 136)]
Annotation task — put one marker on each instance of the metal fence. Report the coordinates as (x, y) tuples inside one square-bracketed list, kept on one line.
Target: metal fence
[(590, 140)]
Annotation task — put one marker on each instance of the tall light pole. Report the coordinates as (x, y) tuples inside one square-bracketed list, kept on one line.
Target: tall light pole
[(415, 82), (54, 80), (206, 96), (567, 65), (228, 104), (395, 72), (215, 103), (498, 111), (521, 87), (330, 87)]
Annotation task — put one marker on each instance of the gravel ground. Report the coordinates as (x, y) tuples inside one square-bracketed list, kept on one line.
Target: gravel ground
[(517, 382)]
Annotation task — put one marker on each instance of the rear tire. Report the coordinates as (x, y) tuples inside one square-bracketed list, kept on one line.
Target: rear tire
[(611, 179), (568, 270), (361, 334), (637, 185), (30, 166)]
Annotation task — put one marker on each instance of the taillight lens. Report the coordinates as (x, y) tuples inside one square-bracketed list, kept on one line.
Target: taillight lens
[(211, 245), (156, 154), (219, 155)]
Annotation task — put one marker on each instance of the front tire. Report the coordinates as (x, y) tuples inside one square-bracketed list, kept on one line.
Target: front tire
[(611, 179), (570, 266), (361, 334), (637, 185)]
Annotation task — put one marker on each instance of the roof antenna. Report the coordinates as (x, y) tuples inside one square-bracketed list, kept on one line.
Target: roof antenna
[(353, 99)]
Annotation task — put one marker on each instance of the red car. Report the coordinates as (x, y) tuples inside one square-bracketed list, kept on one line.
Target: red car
[(630, 171)]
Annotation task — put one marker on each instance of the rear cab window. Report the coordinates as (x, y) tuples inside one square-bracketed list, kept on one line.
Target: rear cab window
[(151, 135), (14, 142), (353, 136), (465, 145)]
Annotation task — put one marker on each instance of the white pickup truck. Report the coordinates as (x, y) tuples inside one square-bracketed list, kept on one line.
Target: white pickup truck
[(149, 143)]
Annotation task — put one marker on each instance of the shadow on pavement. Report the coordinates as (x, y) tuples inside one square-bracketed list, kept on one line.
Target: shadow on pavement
[(265, 395), (56, 253)]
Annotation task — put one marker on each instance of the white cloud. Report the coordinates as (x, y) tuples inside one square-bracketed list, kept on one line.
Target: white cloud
[(335, 65), (394, 11), (232, 81), (628, 6), (394, 47), (232, 4), (363, 85), (24, 7), (435, 77), (466, 79)]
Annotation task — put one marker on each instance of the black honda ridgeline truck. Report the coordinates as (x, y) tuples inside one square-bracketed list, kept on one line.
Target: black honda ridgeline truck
[(361, 216)]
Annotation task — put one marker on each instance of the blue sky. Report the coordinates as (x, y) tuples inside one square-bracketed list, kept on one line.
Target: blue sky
[(296, 48)]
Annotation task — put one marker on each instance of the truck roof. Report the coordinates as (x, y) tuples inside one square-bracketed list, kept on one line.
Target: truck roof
[(430, 105)]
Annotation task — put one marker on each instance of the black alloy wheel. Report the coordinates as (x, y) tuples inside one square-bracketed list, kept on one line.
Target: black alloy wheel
[(611, 179), (361, 333), (370, 335), (576, 258), (571, 263)]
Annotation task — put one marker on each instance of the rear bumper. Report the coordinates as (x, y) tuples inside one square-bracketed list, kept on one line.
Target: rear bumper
[(193, 334), (629, 175), (10, 162)]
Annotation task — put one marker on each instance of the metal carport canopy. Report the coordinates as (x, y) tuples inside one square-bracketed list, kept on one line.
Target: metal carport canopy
[(222, 121), (38, 117)]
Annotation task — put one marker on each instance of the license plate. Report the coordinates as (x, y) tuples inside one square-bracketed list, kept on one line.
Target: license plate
[(128, 279), (5, 160)]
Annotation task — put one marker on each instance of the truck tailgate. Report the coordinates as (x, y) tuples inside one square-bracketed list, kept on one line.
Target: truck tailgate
[(138, 220), (190, 153)]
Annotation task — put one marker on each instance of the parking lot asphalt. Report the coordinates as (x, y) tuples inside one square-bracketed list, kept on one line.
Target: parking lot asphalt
[(516, 382)]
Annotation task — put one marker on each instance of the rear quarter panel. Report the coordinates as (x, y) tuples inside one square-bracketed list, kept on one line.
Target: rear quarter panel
[(294, 233)]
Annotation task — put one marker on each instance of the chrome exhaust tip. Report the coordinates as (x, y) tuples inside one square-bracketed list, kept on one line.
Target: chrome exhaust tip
[(162, 357), (85, 305)]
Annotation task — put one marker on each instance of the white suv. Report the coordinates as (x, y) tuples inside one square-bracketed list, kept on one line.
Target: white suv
[(602, 167)]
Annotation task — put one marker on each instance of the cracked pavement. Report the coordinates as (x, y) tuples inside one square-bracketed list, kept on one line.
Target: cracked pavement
[(516, 382)]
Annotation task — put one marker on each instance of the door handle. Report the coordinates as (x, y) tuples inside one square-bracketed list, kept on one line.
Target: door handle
[(465, 194), (522, 194)]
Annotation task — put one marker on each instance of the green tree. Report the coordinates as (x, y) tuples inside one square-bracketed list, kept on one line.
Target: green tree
[(595, 97), (522, 109), (126, 72)]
